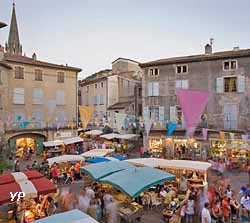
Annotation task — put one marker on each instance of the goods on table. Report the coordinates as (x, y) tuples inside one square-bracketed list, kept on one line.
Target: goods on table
[(131, 211)]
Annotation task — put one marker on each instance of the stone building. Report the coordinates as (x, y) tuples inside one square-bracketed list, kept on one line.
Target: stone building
[(39, 97), (225, 74), (116, 90)]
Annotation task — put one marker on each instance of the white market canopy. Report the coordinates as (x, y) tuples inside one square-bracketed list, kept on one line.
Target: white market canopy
[(53, 143), (94, 132), (97, 153), (119, 136), (65, 158), (175, 164), (72, 140)]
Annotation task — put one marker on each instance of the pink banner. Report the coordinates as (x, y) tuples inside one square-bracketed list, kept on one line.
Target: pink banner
[(192, 103)]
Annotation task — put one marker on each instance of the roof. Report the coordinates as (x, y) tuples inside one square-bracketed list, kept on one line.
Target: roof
[(201, 57), (2, 24), (119, 105), (122, 58), (27, 60), (5, 65)]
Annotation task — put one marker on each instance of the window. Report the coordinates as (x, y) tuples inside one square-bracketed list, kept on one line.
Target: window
[(60, 97), (181, 69), (140, 92), (154, 113), (181, 84), (38, 75), (102, 84), (230, 84), (96, 99), (230, 65), (153, 89), (60, 77), (95, 85), (60, 115), (18, 96), (101, 100), (19, 73), (37, 96), (153, 72)]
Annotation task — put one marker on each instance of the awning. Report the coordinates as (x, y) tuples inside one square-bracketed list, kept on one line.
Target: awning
[(65, 158), (97, 153), (72, 140), (31, 188), (175, 164), (110, 136), (135, 180), (99, 170), (127, 136), (74, 216), (105, 159), (53, 143), (19, 176), (94, 132)]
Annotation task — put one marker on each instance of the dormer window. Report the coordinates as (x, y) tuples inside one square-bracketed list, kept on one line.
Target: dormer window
[(182, 69), (230, 65), (153, 72)]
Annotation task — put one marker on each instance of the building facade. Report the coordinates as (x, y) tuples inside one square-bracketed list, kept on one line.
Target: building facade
[(40, 98), (225, 74), (116, 90)]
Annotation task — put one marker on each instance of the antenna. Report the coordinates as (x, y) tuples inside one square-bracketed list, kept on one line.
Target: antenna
[(211, 41)]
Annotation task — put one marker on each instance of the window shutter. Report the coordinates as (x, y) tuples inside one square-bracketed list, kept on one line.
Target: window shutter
[(150, 89), (241, 83), (178, 84), (37, 96), (155, 89), (173, 113), (18, 96), (146, 113), (184, 84), (219, 85), (60, 97), (161, 113)]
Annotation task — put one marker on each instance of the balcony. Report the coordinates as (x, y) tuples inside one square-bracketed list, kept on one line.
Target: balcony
[(38, 126)]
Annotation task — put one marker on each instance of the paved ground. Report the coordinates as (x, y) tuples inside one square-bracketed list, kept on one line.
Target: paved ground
[(235, 178)]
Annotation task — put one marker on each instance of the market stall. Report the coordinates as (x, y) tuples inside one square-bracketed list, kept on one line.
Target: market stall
[(177, 167), (53, 148), (74, 216), (94, 132), (105, 159), (65, 158), (73, 145), (97, 153)]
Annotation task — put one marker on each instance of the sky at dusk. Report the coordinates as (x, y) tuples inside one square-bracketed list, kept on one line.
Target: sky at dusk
[(90, 34)]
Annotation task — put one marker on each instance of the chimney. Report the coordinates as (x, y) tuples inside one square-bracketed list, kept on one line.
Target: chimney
[(236, 48), (1, 52), (208, 49), (34, 56)]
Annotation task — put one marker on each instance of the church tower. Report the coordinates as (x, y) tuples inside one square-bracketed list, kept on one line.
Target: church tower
[(13, 45)]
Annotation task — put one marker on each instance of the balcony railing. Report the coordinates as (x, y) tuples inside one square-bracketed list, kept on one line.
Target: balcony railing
[(22, 126)]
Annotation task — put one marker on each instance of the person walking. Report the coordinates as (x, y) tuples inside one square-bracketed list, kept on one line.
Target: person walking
[(190, 209), (225, 208), (205, 214)]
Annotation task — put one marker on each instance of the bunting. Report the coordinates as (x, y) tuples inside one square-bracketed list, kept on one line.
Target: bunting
[(171, 127)]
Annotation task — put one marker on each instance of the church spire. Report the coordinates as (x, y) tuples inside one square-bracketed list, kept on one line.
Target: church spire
[(13, 46)]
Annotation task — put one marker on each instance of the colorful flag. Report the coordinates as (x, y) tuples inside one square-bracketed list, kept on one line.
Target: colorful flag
[(85, 114), (222, 135), (119, 120), (25, 124), (231, 135), (192, 103), (204, 133), (171, 127)]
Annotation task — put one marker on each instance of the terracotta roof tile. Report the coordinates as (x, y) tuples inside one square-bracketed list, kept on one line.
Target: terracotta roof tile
[(200, 57), (30, 61)]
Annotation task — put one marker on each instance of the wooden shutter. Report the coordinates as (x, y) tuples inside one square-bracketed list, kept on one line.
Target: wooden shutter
[(146, 113), (173, 113), (155, 89), (18, 96), (219, 84), (241, 83), (150, 89), (161, 113), (184, 84)]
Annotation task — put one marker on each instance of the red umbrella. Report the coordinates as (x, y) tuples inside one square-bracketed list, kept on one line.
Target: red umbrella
[(19, 176), (31, 188)]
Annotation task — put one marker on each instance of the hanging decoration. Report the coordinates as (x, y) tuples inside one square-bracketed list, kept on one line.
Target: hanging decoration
[(171, 127), (85, 114)]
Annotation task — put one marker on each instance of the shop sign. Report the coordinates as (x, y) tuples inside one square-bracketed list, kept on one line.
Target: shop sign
[(63, 134)]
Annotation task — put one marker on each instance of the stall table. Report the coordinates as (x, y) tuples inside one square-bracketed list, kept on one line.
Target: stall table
[(131, 212)]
